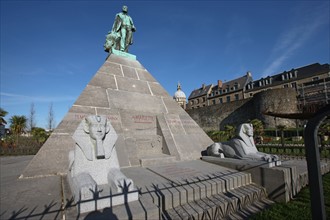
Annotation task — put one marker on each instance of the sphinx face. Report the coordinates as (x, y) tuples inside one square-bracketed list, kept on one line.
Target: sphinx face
[(249, 130), (97, 131)]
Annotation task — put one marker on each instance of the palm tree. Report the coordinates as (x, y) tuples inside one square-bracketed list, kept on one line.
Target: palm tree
[(230, 131), (258, 130), (18, 125), (39, 134), (216, 136), (3, 113), (258, 127)]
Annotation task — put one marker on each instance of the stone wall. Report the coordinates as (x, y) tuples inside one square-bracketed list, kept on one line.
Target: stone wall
[(215, 117), (278, 101)]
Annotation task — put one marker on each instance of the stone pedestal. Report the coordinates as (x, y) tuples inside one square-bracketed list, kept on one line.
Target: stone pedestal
[(279, 181), (149, 123)]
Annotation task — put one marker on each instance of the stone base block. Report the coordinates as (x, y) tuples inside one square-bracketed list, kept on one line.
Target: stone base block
[(123, 54), (88, 196), (280, 181), (106, 200), (156, 160)]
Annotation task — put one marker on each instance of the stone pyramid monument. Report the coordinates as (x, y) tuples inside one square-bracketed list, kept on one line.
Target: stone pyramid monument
[(152, 128)]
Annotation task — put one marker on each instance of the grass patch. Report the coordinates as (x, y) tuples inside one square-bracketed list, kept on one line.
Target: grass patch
[(299, 207)]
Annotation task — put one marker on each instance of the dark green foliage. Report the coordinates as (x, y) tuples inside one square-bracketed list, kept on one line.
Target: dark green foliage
[(3, 113), (39, 134), (217, 136), (22, 146), (299, 207)]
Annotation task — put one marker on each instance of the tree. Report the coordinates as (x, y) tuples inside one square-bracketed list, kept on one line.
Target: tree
[(39, 134), (31, 120), (50, 119), (230, 131), (216, 136), (3, 114), (324, 128), (17, 125), (258, 127)]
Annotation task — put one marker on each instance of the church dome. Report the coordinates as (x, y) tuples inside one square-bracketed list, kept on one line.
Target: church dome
[(179, 94)]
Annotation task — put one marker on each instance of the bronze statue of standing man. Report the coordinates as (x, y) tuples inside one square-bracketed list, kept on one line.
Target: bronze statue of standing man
[(123, 28)]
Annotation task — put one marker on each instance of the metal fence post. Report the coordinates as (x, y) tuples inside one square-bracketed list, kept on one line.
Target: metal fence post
[(313, 163)]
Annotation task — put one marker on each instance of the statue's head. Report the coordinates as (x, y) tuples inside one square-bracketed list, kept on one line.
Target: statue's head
[(96, 126), (125, 9), (246, 129)]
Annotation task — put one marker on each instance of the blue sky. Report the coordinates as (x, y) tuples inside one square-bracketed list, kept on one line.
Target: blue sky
[(50, 50)]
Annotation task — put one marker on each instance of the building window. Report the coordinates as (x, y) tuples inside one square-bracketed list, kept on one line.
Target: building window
[(220, 101), (251, 94), (295, 73), (285, 86), (220, 92), (204, 99), (213, 101), (294, 85), (236, 97), (235, 86), (197, 101), (192, 102), (315, 78), (228, 98)]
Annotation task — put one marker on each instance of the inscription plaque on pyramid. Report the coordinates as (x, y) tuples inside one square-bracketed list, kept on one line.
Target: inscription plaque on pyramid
[(151, 126)]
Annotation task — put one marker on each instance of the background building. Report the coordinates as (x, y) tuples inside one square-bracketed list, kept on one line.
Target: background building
[(233, 90), (303, 89), (198, 97), (294, 78), (180, 97)]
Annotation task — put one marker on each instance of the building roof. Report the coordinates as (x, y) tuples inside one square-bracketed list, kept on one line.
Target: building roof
[(200, 92), (241, 82), (301, 73)]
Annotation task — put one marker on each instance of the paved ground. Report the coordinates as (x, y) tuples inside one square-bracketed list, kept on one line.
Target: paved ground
[(37, 198)]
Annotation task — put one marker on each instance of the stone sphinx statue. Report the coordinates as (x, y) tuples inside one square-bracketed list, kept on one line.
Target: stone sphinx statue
[(241, 147), (93, 164)]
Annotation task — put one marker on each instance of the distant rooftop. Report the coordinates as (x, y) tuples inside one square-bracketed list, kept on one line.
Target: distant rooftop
[(290, 75), (200, 92)]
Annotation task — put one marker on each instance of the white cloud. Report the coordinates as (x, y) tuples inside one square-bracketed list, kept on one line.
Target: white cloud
[(293, 39)]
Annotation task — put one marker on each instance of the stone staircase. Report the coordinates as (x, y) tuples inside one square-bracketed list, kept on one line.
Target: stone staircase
[(189, 190), (238, 203)]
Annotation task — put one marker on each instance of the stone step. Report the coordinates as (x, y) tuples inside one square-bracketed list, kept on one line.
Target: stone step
[(238, 203), (178, 183), (195, 189), (157, 159), (166, 190)]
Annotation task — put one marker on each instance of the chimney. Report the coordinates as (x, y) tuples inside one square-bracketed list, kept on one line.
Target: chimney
[(219, 84), (203, 86)]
